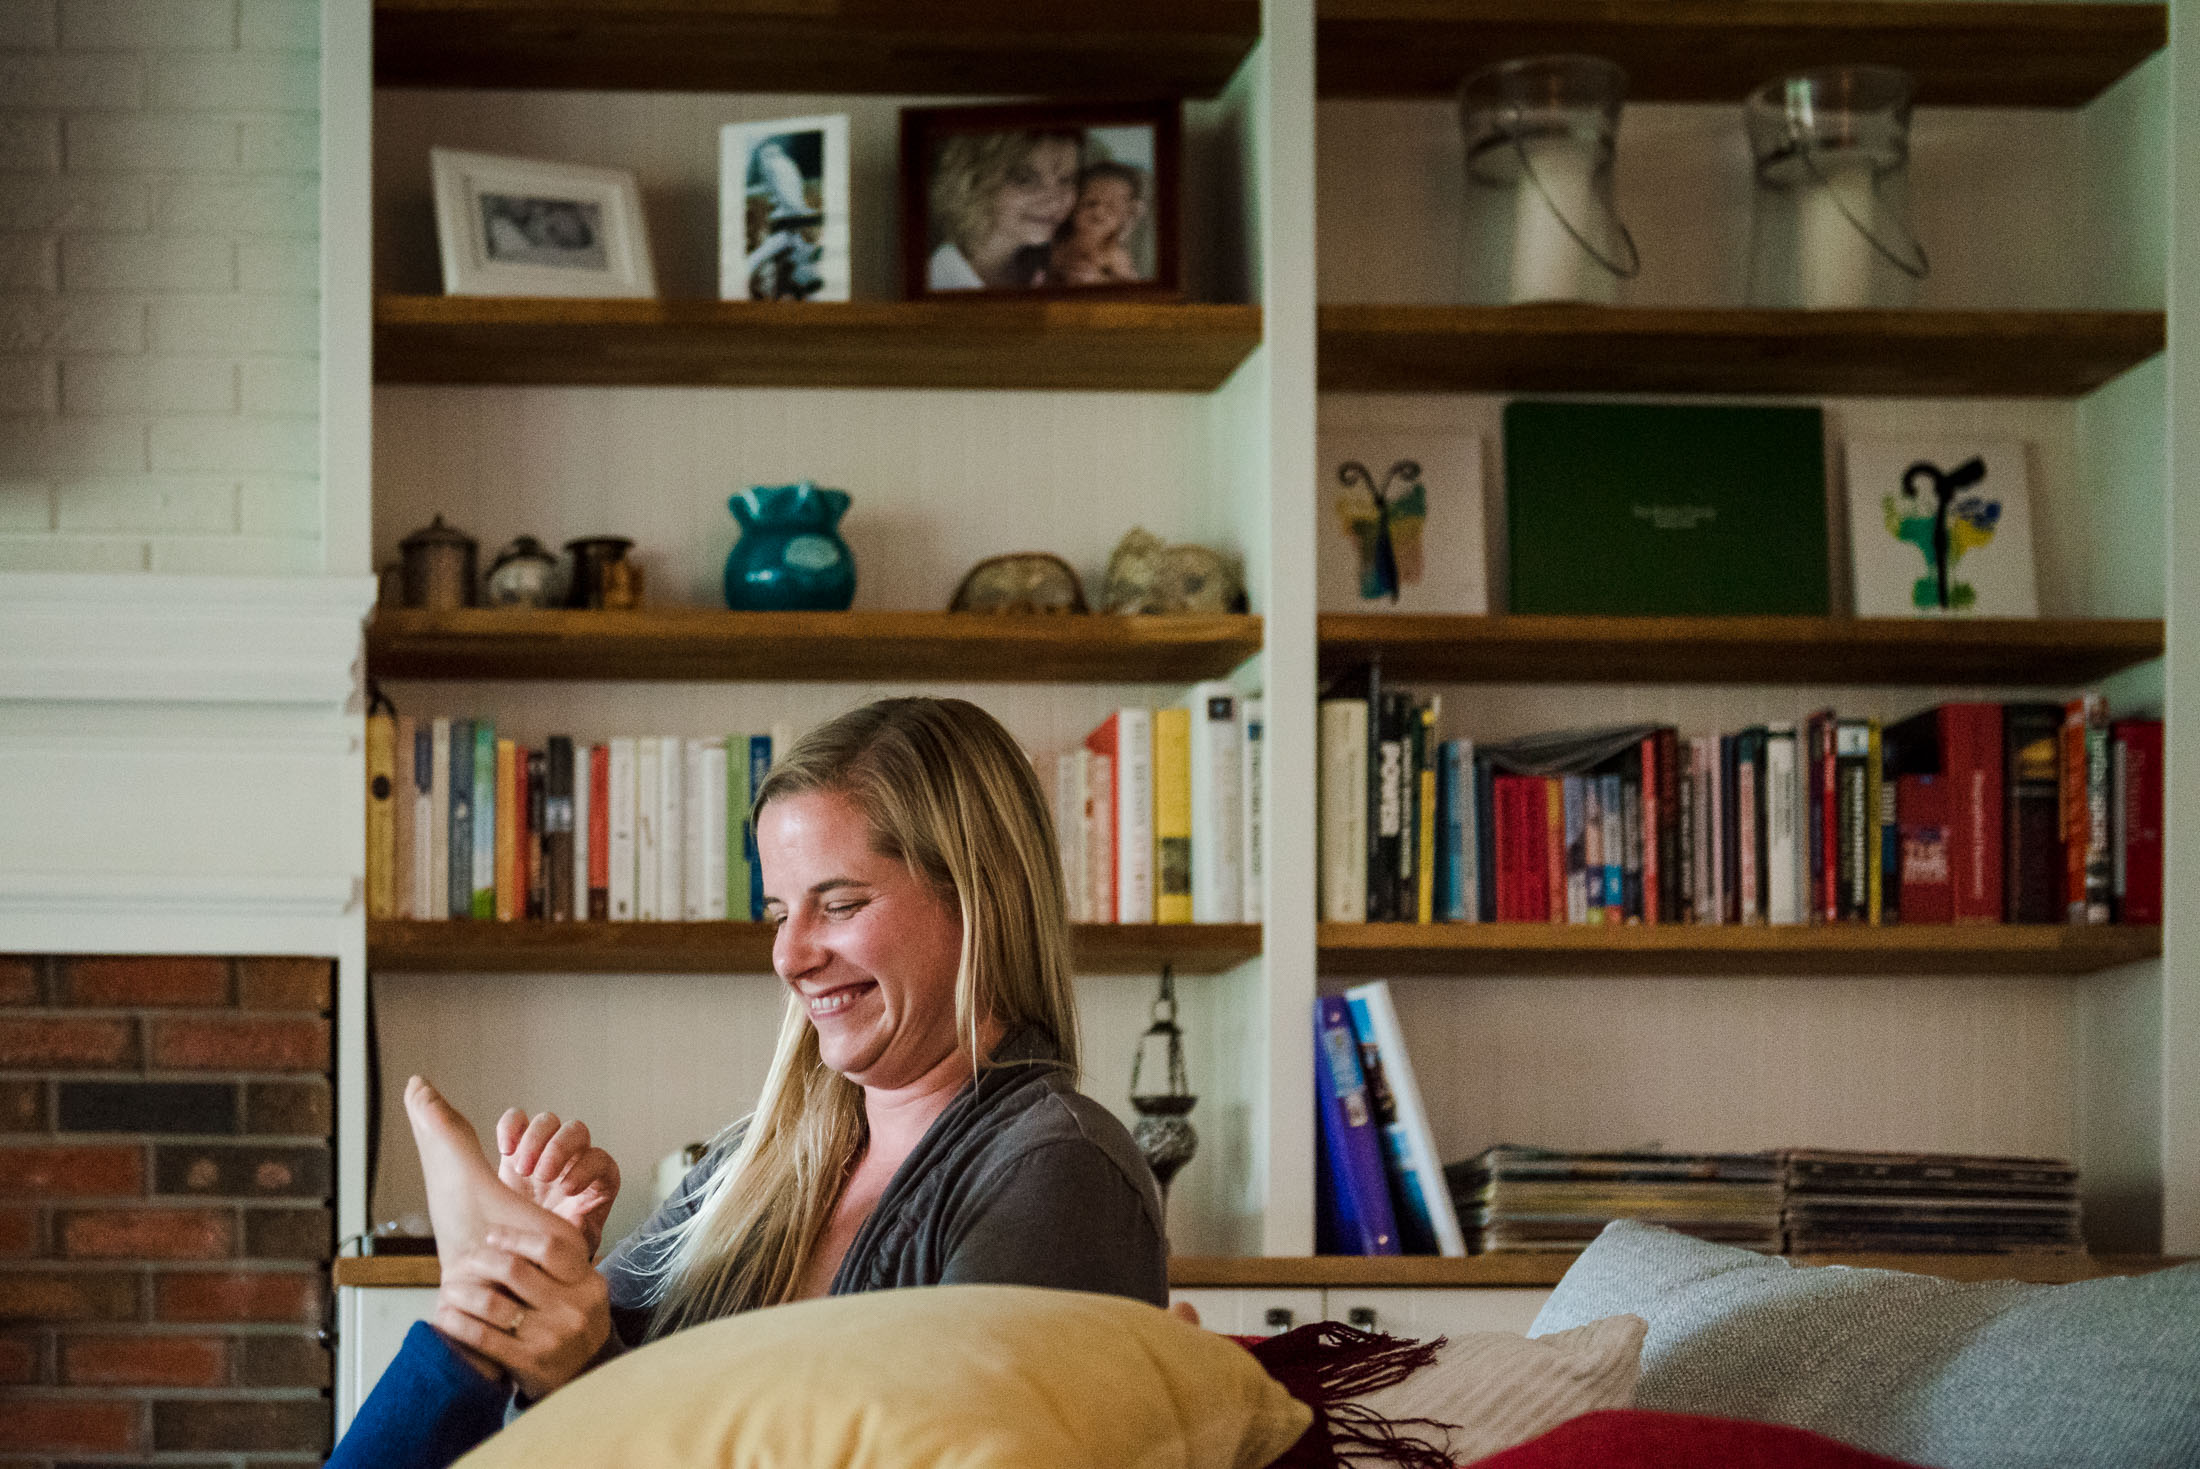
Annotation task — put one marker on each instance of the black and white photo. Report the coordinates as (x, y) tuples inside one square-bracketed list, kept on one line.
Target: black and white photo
[(518, 227)]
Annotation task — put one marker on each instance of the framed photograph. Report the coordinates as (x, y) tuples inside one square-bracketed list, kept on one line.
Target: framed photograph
[(783, 210), (1056, 200), (1401, 524), (517, 227), (1941, 528)]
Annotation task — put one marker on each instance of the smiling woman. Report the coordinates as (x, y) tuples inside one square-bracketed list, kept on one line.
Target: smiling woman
[(920, 1124)]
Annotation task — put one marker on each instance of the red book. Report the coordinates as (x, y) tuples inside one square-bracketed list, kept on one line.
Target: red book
[(1535, 792), (1504, 836), (523, 870), (1669, 826), (2136, 774), (1970, 767), (599, 832), (1554, 849), (1927, 893)]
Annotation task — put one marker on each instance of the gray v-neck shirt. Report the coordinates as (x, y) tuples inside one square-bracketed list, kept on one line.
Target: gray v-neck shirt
[(1021, 1181)]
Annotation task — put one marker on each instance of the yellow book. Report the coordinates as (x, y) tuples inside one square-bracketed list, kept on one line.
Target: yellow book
[(1172, 815), (510, 901), (381, 816)]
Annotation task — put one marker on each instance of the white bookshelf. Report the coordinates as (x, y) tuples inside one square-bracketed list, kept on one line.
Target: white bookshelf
[(1294, 201)]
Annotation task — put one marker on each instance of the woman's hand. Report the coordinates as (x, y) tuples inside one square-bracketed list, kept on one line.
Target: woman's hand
[(557, 1166), (530, 1302)]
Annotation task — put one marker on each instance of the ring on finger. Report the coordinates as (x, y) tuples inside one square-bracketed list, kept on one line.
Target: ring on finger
[(517, 1322)]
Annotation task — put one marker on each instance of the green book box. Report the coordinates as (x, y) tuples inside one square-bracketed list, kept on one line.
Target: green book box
[(1635, 509)]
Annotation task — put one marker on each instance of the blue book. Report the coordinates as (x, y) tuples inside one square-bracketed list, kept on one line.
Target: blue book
[(1408, 1201), (1360, 1189), (1577, 850), (484, 896), (461, 846), (1485, 841), (760, 764), (1452, 835), (1612, 806)]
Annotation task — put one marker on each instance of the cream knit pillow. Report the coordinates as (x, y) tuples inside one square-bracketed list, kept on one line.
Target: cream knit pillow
[(1493, 1389)]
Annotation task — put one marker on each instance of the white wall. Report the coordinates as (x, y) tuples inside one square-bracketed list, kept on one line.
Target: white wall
[(159, 286)]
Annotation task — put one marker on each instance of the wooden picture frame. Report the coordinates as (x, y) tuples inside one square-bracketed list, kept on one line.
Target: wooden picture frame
[(963, 235)]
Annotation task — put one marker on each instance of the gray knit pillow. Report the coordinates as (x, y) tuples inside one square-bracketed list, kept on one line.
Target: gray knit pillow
[(1965, 1376)]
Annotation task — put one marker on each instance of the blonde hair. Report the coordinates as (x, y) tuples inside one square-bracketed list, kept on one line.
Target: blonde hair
[(969, 171), (947, 791)]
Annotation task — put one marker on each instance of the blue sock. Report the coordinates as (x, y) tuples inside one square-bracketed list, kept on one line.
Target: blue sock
[(429, 1408)]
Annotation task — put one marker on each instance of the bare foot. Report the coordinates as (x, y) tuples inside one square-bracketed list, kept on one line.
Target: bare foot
[(465, 1198)]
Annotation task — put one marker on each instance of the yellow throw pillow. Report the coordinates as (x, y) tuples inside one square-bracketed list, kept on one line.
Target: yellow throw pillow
[(945, 1377)]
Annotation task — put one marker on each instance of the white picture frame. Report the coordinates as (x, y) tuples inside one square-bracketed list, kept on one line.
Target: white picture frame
[(1988, 483), (1440, 548), (783, 225), (523, 227)]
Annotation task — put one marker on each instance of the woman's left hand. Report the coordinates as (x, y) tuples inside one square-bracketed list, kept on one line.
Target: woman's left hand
[(530, 1302)]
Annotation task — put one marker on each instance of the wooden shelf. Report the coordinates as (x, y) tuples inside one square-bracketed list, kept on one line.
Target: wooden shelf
[(1318, 1272), (1571, 348), (699, 643), (957, 47), (1126, 346), (1585, 950), (459, 946), (1962, 54), (1321, 1272), (2040, 652)]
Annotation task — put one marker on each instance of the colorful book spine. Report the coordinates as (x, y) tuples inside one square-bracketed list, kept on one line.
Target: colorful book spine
[(381, 816), (625, 806), (1630, 835), (1100, 837), (510, 803), (1652, 870), (760, 765), (1213, 760), (1783, 852), (600, 855), (1554, 848), (1612, 809), (488, 799), (738, 836), (427, 890), (1875, 843), (1252, 810), (1126, 739), (1573, 813), (1410, 1149), (695, 833), (567, 841), (1890, 840), (1851, 758), (1424, 819), (2032, 843), (1360, 1191), (438, 822), (714, 844), (1451, 898), (671, 828), (1971, 763), (402, 812), (2086, 809), (1670, 901), (2135, 780), (533, 857), (459, 866), (1927, 878), (1172, 815), (1592, 849)]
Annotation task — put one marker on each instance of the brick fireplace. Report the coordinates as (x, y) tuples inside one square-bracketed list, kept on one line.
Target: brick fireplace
[(166, 1180)]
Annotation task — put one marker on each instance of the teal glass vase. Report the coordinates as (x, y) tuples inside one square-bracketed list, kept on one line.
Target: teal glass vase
[(790, 557)]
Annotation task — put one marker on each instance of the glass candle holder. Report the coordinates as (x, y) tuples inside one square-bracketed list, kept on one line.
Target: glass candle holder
[(1831, 226), (1542, 133)]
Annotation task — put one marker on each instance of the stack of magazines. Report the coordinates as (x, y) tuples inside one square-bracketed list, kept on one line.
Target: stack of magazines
[(1540, 1199), (1927, 1202)]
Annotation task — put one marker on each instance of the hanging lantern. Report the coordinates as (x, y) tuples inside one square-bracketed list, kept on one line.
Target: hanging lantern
[(1164, 1131)]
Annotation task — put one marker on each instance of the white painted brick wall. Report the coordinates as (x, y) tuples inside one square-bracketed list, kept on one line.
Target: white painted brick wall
[(159, 279)]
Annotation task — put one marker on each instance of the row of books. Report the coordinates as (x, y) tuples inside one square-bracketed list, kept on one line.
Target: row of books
[(1159, 813), (1964, 813), (1800, 1201), (1379, 1188), (464, 824)]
